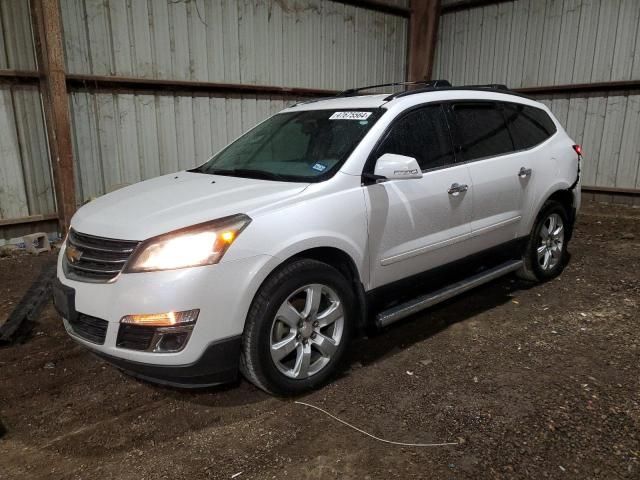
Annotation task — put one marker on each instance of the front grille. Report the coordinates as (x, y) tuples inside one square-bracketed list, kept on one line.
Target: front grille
[(95, 259), (135, 337), (90, 328)]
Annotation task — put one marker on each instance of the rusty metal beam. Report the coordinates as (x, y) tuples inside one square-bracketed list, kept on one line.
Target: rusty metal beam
[(94, 83), (597, 87), (633, 192), (135, 84), (467, 4), (33, 219), (378, 7), (47, 32), (423, 34), (19, 77)]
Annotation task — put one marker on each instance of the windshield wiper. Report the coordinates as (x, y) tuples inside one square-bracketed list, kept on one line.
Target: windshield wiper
[(249, 173)]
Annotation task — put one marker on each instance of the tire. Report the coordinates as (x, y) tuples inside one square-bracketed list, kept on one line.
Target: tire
[(545, 256), (284, 335)]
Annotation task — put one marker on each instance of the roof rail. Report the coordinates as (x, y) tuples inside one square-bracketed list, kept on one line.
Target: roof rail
[(426, 83), (489, 86), (427, 86), (494, 86)]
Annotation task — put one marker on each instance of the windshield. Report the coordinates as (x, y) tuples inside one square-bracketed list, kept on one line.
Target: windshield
[(304, 146)]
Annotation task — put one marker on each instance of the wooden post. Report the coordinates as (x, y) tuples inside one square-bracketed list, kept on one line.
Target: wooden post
[(423, 34), (47, 33)]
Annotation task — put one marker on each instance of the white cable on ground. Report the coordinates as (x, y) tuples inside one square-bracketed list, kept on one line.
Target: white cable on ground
[(373, 436)]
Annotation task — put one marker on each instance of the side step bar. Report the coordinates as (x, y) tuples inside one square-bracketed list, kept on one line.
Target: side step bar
[(403, 310)]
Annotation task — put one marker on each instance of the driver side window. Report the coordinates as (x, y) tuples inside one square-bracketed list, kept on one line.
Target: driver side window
[(422, 134)]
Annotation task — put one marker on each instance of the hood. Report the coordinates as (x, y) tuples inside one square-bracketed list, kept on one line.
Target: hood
[(175, 201)]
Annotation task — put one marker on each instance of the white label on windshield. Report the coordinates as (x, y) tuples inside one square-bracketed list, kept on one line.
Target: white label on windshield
[(350, 116)]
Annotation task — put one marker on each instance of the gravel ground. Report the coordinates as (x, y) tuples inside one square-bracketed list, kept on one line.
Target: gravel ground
[(530, 381)]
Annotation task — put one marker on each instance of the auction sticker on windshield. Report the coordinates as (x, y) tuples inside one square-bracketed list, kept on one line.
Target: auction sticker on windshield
[(350, 116)]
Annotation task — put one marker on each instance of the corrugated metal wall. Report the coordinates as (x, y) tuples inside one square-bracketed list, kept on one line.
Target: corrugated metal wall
[(123, 138), (540, 42), (293, 43), (25, 175), (528, 43), (608, 127)]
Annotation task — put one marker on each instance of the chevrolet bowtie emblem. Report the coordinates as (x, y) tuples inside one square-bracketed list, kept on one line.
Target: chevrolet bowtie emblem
[(73, 254)]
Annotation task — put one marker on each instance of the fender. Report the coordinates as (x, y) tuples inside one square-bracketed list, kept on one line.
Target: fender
[(327, 239), (555, 187)]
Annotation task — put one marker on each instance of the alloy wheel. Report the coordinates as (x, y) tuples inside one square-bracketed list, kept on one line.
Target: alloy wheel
[(306, 331), (551, 242)]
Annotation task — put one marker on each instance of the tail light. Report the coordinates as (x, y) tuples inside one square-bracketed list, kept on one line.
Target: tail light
[(578, 149)]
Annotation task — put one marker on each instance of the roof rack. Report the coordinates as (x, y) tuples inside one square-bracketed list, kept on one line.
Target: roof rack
[(489, 86), (427, 83), (494, 86), (427, 86)]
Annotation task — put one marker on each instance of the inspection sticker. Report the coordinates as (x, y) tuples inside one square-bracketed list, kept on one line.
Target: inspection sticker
[(350, 116), (320, 167)]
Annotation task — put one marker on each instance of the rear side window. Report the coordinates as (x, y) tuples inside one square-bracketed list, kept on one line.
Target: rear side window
[(482, 130), (422, 134), (529, 126)]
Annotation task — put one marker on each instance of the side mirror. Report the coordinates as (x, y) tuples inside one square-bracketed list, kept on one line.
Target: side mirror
[(397, 167)]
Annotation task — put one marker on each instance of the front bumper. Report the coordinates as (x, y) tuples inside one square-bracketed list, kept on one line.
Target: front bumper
[(217, 365), (223, 294)]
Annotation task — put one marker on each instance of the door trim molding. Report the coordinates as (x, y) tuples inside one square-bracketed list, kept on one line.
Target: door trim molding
[(425, 249), (495, 226)]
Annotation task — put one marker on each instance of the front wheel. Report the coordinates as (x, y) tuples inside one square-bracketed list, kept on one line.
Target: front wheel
[(297, 328), (546, 252)]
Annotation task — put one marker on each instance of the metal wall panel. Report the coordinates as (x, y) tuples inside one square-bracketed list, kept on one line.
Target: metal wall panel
[(528, 43), (398, 3), (608, 128), (25, 174), (124, 138), (293, 43), (16, 45), (554, 42)]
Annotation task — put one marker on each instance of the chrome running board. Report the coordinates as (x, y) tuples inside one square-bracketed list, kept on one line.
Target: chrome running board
[(403, 310)]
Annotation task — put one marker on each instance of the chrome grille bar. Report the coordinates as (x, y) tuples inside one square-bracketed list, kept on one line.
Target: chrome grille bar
[(96, 259)]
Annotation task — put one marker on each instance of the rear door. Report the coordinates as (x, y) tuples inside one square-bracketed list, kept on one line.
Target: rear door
[(418, 224), (530, 128), (499, 178)]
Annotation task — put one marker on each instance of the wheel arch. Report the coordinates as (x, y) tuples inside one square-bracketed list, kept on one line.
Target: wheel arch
[(336, 257), (563, 194)]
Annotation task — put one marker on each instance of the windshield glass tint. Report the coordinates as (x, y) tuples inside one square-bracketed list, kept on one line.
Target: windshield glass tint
[(297, 146)]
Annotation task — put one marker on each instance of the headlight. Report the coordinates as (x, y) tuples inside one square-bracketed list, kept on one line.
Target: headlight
[(201, 244)]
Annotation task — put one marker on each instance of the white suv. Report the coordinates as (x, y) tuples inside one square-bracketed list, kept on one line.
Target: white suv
[(330, 217)]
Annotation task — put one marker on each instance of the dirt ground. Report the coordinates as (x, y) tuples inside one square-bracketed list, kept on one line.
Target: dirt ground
[(532, 382)]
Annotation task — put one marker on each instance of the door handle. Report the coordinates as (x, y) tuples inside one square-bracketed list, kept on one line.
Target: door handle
[(524, 172), (455, 189)]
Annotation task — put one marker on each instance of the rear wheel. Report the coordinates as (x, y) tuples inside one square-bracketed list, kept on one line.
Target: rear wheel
[(297, 328), (546, 252)]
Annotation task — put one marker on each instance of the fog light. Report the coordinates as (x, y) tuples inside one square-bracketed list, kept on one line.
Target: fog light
[(166, 319), (157, 332), (172, 341)]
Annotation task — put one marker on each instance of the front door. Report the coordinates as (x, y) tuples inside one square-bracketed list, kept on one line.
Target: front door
[(419, 224)]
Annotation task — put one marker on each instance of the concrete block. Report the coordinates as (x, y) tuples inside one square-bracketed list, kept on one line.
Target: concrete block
[(37, 243)]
